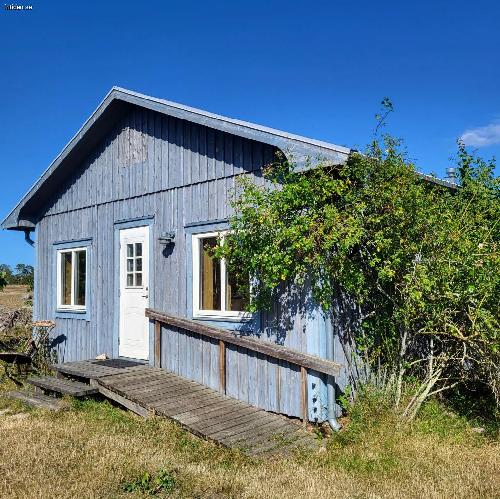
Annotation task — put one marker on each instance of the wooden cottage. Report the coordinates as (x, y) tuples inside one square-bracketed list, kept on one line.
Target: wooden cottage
[(120, 222)]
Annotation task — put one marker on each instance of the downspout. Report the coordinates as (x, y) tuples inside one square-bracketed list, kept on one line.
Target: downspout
[(330, 380), (27, 237)]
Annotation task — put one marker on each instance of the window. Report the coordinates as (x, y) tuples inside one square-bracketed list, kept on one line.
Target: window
[(71, 279), (215, 291), (134, 265)]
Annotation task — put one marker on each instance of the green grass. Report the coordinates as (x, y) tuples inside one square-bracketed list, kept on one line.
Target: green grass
[(95, 449), (163, 482), (374, 442)]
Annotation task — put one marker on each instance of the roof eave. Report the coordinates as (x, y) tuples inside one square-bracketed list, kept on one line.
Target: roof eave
[(301, 149), (437, 181), (12, 220)]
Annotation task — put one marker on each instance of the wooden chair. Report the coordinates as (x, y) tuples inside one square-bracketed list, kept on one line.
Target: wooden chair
[(39, 338)]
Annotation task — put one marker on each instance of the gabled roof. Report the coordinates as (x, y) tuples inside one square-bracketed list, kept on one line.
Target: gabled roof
[(116, 103)]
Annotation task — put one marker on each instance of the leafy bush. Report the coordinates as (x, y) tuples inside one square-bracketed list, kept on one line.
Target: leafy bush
[(414, 264)]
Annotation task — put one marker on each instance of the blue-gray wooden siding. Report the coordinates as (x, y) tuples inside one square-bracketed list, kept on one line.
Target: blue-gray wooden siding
[(180, 173)]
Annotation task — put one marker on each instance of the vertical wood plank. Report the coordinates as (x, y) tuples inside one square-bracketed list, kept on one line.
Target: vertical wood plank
[(303, 394), (222, 366), (157, 344)]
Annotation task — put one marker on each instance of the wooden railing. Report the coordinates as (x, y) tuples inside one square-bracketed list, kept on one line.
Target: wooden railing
[(225, 337)]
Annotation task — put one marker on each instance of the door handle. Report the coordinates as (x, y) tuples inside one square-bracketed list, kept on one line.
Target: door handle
[(145, 296)]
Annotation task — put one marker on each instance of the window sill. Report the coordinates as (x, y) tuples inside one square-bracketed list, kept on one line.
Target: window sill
[(246, 317), (238, 325), (69, 313)]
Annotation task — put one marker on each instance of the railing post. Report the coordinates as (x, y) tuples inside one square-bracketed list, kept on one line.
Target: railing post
[(222, 366), (157, 343), (303, 395)]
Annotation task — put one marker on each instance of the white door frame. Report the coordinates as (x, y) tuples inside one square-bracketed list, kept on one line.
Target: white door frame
[(134, 256)]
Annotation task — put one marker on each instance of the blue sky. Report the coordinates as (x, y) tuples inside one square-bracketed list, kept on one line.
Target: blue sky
[(318, 69)]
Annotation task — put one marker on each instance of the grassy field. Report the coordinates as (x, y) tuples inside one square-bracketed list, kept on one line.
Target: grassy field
[(12, 296), (96, 450)]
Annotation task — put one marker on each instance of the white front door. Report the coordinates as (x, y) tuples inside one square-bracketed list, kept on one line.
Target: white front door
[(134, 292)]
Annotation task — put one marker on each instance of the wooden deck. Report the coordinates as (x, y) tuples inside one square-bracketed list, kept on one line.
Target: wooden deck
[(203, 411)]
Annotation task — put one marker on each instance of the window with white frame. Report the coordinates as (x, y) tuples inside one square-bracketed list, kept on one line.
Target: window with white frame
[(71, 278), (215, 290), (134, 265)]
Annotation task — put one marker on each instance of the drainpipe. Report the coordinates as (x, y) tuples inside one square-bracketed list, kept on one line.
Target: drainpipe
[(27, 237), (330, 380)]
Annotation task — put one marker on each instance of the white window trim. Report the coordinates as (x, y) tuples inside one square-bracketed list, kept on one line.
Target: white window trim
[(72, 307), (211, 314)]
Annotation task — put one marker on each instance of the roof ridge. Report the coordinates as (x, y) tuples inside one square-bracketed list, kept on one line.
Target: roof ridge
[(236, 121)]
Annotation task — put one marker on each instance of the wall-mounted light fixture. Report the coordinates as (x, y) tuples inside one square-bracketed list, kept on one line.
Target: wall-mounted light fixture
[(166, 238)]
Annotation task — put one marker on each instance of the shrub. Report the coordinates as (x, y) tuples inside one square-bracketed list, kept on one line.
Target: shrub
[(415, 263)]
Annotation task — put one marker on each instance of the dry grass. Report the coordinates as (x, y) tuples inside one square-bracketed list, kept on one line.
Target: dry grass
[(12, 296), (92, 449)]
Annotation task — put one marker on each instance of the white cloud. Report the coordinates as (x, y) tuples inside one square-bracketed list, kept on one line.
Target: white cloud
[(482, 136)]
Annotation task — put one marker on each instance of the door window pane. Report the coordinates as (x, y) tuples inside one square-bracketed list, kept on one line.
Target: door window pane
[(210, 285), (138, 279), (80, 276), (134, 277), (66, 271), (130, 279)]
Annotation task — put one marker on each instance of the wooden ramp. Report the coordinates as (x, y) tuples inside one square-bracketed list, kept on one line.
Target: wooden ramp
[(201, 410)]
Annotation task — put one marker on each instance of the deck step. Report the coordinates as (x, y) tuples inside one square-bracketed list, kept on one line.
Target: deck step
[(93, 369), (38, 400), (63, 386)]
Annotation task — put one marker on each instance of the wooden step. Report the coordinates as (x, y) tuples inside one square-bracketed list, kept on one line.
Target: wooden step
[(63, 386), (15, 358), (38, 400), (93, 369)]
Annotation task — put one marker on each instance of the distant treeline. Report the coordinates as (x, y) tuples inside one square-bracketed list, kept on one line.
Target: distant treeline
[(20, 274)]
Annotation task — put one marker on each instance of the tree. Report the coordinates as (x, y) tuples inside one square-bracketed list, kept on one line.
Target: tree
[(23, 270), (419, 261), (24, 274), (6, 270), (3, 280)]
